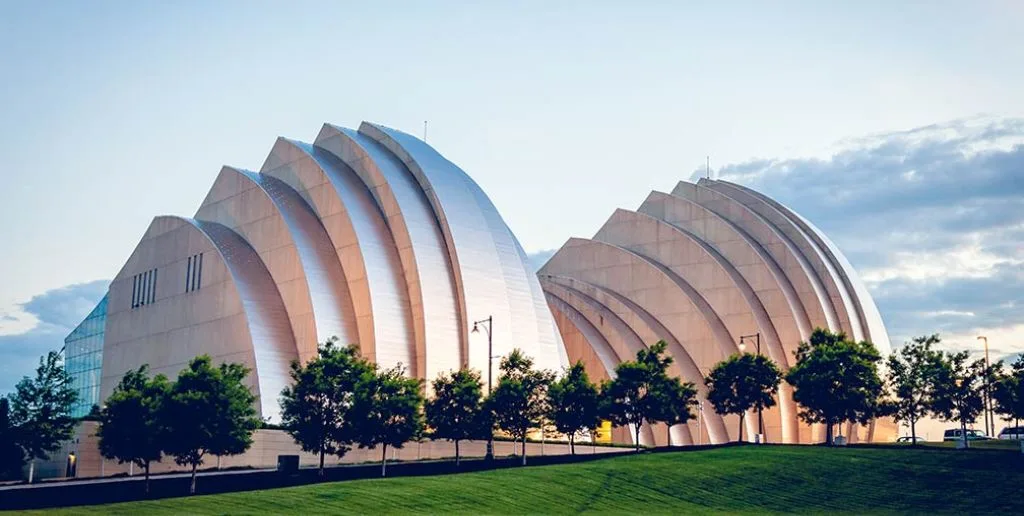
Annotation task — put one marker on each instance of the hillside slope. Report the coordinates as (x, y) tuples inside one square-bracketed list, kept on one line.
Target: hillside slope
[(736, 480)]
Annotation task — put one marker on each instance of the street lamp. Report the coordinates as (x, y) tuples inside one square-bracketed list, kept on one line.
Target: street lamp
[(988, 394), (700, 429), (490, 359), (743, 349)]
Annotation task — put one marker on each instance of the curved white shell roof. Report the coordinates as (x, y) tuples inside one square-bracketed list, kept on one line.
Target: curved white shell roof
[(369, 235), (707, 265)]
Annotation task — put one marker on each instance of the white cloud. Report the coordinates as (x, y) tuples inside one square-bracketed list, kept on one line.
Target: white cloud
[(39, 325), (931, 217)]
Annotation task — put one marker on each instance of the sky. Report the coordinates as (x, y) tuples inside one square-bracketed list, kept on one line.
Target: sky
[(896, 127)]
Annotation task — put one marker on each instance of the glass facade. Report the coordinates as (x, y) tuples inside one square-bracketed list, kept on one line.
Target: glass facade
[(83, 358)]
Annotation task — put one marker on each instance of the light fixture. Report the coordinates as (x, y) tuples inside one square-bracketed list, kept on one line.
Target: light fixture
[(475, 329), (743, 347)]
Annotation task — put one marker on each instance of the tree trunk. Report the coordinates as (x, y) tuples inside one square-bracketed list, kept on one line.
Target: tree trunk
[(456, 453), (31, 470), (321, 473), (742, 415), (828, 432), (146, 467), (192, 486), (524, 448), (572, 443), (636, 426), (384, 460), (913, 432), (963, 431)]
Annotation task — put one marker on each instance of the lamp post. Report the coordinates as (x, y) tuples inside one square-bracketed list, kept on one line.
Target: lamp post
[(987, 413), (700, 429), (490, 359), (743, 349)]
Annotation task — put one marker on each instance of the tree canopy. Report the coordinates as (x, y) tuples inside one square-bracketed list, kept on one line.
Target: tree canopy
[(573, 403), (315, 407), (675, 399), (1008, 392), (209, 410), (12, 457), (741, 383), (40, 407), (957, 393), (455, 411), (131, 429), (911, 372), (519, 402), (643, 391), (388, 410), (836, 380)]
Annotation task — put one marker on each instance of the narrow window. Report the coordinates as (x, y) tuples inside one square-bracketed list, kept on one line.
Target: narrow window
[(135, 289), (188, 274), (145, 283), (152, 295), (199, 277)]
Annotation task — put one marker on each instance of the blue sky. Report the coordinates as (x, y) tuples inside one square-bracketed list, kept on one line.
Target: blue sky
[(113, 112)]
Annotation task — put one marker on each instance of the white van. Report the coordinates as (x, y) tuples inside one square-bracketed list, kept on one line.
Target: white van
[(1012, 433), (953, 434)]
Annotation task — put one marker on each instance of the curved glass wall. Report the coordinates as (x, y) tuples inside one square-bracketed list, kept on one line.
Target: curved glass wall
[(83, 358)]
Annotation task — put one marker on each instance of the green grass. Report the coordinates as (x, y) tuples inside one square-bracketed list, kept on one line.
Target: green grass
[(749, 479), (990, 444)]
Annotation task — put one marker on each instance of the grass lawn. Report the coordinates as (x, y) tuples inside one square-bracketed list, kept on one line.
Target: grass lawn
[(747, 479), (990, 444)]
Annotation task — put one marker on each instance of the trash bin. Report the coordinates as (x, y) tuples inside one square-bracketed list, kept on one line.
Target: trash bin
[(288, 464), (839, 440)]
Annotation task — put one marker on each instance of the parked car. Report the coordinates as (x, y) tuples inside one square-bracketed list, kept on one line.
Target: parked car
[(1012, 433), (953, 434), (908, 439)]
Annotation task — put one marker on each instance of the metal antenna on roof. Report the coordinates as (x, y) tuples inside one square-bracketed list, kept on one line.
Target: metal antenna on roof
[(707, 169), (424, 130)]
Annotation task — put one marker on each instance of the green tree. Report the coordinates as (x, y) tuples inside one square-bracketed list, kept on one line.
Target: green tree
[(1008, 393), (388, 410), (643, 391), (675, 399), (958, 390), (910, 379), (209, 411), (315, 407), (836, 380), (454, 413), (41, 408), (519, 402), (131, 429), (573, 403), (12, 457), (741, 383)]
